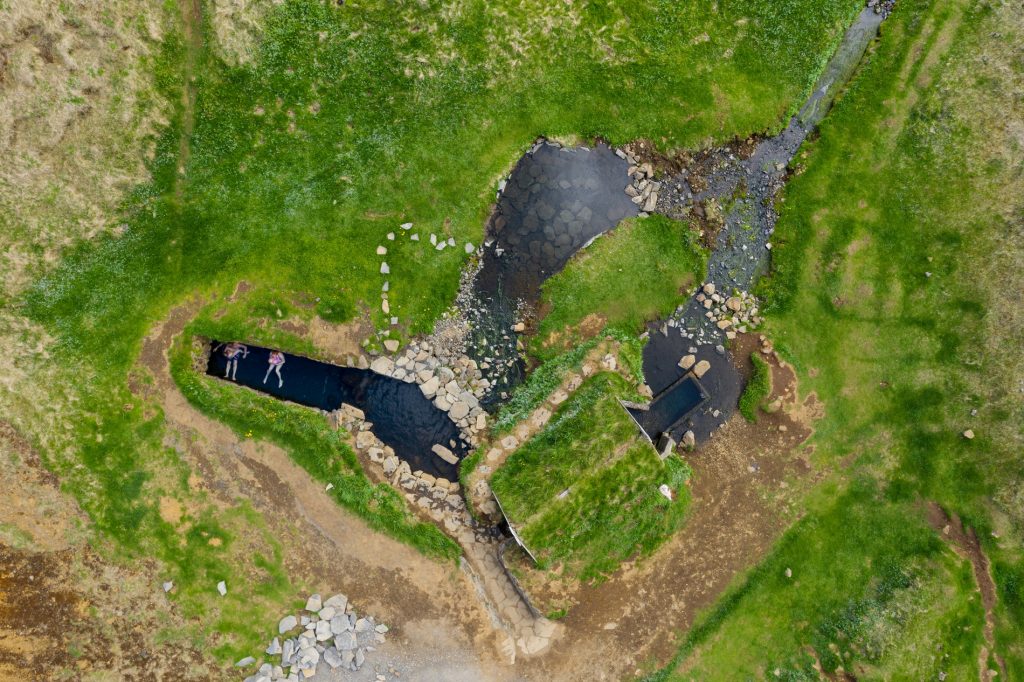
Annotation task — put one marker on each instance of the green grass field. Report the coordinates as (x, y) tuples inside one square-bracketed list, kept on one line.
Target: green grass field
[(592, 451), (896, 270), (639, 272), (886, 296)]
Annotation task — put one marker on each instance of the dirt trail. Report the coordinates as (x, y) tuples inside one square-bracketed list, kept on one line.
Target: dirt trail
[(965, 543), (325, 547)]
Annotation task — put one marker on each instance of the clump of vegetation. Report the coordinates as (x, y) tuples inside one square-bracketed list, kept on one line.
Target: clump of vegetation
[(757, 389), (638, 272), (583, 493)]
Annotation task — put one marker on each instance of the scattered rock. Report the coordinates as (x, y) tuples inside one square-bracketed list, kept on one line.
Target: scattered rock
[(287, 623), (969, 434)]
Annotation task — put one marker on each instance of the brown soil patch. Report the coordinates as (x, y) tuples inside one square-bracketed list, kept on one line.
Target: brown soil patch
[(170, 510), (65, 613), (965, 543), (70, 615), (741, 486)]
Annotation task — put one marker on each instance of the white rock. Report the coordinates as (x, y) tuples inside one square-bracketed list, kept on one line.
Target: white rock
[(458, 410), (222, 588), (314, 603), (338, 601), (287, 623), (444, 453), (168, 586), (391, 236), (430, 386), (384, 269), (275, 647), (406, 226), (470, 248), (381, 250)]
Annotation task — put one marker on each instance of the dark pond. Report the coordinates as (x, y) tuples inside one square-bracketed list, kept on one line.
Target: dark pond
[(401, 415), (555, 201)]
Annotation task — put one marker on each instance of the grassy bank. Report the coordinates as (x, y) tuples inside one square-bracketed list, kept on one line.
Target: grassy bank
[(639, 272), (758, 388), (891, 293), (583, 492)]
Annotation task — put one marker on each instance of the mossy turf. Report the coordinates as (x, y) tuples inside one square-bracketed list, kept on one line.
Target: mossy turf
[(583, 492), (887, 296), (639, 272), (757, 389)]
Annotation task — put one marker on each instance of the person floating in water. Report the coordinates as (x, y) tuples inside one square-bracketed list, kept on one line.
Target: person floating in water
[(275, 361), (231, 352)]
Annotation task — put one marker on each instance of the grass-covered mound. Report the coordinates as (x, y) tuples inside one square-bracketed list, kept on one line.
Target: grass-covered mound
[(612, 510), (635, 273)]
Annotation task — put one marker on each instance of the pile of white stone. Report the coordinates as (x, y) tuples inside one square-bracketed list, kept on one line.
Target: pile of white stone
[(643, 188), (331, 632), (456, 390), (732, 314)]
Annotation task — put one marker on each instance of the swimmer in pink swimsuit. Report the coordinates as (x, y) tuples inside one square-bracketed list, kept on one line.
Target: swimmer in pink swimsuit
[(275, 361)]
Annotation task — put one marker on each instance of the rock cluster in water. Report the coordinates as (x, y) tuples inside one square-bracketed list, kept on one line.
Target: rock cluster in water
[(456, 390), (330, 632)]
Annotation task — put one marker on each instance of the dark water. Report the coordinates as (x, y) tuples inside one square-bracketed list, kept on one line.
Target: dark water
[(668, 412), (401, 415), (555, 201)]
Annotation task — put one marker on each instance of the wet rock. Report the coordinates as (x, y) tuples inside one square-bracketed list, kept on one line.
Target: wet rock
[(444, 453)]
